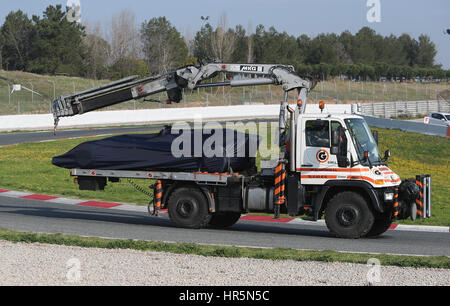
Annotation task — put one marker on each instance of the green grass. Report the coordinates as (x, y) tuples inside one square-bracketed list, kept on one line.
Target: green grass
[(442, 262), (414, 154), (28, 167), (331, 91)]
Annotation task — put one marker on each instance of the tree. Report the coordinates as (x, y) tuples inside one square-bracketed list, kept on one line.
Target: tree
[(202, 43), (15, 41), (274, 47), (98, 52), (57, 45), (381, 70), (164, 48), (128, 66), (240, 53), (364, 50), (124, 40), (353, 70), (409, 49), (250, 43), (426, 51), (223, 41)]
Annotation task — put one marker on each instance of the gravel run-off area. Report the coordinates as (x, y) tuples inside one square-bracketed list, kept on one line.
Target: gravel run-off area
[(42, 265)]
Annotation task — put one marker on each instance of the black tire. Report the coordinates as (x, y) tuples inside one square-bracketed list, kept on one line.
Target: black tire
[(380, 225), (188, 208), (348, 216), (223, 220)]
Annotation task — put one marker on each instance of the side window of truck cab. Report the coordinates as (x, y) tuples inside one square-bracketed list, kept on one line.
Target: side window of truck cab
[(317, 133)]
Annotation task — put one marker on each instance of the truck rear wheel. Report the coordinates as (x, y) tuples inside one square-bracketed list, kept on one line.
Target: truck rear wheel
[(348, 216), (188, 208), (225, 219)]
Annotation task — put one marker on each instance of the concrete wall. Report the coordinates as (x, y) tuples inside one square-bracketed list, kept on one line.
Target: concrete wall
[(152, 116)]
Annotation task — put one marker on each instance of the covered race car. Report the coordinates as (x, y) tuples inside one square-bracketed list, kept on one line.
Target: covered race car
[(155, 152)]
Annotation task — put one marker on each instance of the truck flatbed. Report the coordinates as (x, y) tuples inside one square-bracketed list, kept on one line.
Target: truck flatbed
[(197, 177)]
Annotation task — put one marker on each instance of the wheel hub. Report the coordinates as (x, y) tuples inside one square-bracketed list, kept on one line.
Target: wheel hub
[(185, 208), (347, 216)]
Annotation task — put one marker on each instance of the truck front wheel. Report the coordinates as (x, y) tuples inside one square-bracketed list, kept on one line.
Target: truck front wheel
[(380, 225), (348, 216), (188, 208), (223, 220)]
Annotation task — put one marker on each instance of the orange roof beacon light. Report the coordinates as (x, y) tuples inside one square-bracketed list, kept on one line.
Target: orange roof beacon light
[(321, 106), (299, 102)]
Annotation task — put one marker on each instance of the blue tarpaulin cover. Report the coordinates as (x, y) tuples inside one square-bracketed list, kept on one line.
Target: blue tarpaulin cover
[(154, 152)]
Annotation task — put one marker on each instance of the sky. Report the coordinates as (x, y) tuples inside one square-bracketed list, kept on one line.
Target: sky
[(296, 17)]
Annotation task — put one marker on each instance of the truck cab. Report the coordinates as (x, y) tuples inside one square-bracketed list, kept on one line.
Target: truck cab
[(342, 174)]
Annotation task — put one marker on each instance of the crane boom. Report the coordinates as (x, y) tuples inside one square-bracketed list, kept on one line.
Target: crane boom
[(189, 77)]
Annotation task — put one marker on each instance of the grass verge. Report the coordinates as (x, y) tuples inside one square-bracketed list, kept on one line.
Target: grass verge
[(226, 251)]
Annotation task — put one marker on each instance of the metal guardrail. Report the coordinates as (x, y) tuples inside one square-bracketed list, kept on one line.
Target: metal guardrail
[(403, 108), (408, 126)]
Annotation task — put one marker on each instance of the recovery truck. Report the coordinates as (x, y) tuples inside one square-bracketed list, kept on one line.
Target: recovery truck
[(329, 164)]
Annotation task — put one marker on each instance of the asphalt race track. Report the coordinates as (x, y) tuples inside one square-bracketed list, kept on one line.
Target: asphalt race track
[(44, 217)]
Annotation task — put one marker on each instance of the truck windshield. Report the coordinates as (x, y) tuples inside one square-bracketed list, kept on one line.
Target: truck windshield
[(364, 141)]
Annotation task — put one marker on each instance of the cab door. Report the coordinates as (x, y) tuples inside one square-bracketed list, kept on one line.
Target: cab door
[(316, 144)]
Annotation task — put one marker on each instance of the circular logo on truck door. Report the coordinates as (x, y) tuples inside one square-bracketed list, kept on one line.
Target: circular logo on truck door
[(322, 156)]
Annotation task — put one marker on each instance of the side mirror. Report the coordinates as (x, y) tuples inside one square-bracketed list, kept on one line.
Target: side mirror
[(334, 150), (387, 154), (366, 155)]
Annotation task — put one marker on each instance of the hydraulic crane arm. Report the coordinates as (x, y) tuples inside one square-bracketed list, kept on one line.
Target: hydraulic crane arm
[(190, 77)]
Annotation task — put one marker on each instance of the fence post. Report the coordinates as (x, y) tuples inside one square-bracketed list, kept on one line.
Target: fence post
[(32, 93)]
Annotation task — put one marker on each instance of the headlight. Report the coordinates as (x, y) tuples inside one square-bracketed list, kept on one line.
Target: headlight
[(389, 196)]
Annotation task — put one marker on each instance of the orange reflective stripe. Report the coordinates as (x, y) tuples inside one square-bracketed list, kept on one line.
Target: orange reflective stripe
[(334, 169), (279, 168), (319, 176), (277, 191), (159, 195), (361, 178), (281, 200), (419, 183), (419, 202)]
